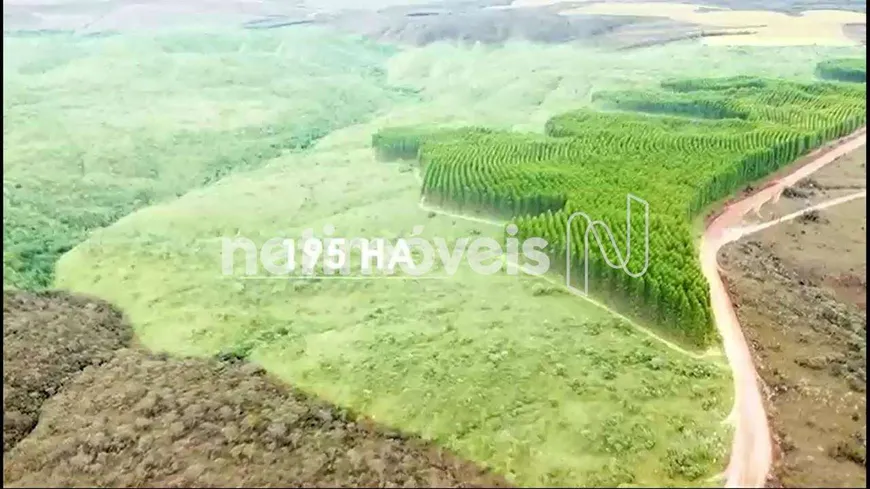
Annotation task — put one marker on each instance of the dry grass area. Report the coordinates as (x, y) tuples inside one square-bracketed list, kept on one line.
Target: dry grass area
[(110, 416), (769, 23), (800, 288), (822, 27)]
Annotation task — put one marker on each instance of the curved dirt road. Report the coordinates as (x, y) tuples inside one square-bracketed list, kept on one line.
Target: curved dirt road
[(751, 453)]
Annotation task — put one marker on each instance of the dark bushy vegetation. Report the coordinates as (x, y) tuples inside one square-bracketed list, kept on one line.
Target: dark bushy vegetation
[(844, 69)]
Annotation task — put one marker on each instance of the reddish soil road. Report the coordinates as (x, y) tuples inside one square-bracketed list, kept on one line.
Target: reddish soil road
[(751, 453)]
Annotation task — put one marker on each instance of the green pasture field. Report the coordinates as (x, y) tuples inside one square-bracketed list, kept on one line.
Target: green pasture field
[(133, 156)]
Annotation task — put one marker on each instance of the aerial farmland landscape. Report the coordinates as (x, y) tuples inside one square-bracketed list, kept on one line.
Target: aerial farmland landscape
[(457, 243)]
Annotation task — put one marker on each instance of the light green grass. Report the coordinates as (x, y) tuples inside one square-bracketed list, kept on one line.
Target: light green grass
[(506, 371), (509, 371)]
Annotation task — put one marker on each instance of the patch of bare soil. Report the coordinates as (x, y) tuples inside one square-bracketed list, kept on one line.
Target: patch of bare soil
[(845, 176), (781, 209), (48, 338), (799, 289), (134, 419)]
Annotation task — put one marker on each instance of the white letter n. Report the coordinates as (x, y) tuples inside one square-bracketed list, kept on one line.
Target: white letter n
[(229, 247)]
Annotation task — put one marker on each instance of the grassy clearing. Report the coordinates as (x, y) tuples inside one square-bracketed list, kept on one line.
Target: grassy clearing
[(505, 370), (509, 371)]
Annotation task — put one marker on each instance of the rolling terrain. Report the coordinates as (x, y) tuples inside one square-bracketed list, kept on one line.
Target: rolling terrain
[(138, 136)]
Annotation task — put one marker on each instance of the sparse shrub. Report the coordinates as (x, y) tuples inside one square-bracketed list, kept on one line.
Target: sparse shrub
[(690, 459), (594, 328), (849, 450), (613, 474), (540, 289), (619, 436), (236, 354)]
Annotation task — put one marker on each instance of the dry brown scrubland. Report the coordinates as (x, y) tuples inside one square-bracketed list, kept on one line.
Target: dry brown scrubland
[(800, 293), (113, 415)]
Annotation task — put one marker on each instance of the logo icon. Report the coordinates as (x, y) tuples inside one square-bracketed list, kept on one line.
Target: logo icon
[(622, 263)]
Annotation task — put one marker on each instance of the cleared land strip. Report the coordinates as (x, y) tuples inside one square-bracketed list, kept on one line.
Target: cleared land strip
[(751, 453)]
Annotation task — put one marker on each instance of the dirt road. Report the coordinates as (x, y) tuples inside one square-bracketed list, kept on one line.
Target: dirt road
[(799, 290), (751, 453)]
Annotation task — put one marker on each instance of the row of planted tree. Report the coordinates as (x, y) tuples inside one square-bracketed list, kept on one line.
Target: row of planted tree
[(677, 150)]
